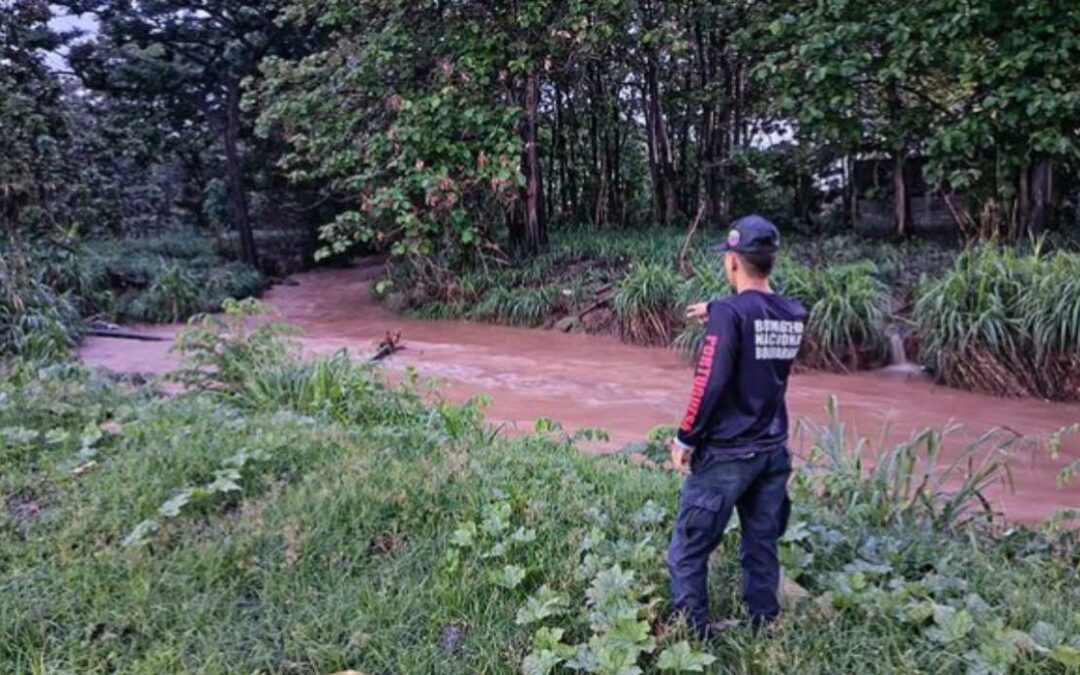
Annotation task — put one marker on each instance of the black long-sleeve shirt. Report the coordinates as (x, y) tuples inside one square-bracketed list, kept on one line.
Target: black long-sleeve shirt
[(737, 401)]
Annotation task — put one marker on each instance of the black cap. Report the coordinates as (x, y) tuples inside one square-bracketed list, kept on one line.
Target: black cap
[(751, 234)]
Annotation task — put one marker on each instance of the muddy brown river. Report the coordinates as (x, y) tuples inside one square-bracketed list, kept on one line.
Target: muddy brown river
[(600, 382)]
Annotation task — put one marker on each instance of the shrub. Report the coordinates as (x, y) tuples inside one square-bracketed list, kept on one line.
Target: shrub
[(173, 295), (1004, 322), (224, 352)]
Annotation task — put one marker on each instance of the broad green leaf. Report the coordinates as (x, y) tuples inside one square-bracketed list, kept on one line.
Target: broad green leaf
[(510, 576), (172, 507), (541, 605), (681, 658)]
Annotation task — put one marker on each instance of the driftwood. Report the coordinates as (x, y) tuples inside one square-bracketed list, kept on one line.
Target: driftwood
[(387, 346), (604, 294), (684, 269), (122, 334)]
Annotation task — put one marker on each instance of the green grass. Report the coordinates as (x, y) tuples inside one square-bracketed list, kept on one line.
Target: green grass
[(1005, 322), (160, 279), (645, 302), (849, 307), (308, 517)]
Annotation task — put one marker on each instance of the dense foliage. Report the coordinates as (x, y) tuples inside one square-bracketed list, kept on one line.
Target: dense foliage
[(456, 134), (35, 320), (306, 516)]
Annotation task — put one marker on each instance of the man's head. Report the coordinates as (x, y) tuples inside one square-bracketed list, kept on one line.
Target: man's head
[(750, 251)]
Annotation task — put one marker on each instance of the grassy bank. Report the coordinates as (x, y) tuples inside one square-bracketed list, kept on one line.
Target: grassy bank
[(287, 516), (999, 320), (635, 285), (49, 290)]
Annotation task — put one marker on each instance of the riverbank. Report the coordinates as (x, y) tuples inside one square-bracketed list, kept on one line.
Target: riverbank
[(597, 381), (307, 516)]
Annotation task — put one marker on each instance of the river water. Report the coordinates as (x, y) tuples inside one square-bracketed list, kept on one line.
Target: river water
[(597, 381)]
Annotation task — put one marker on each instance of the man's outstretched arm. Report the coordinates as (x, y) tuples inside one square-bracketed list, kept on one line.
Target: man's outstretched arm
[(713, 371)]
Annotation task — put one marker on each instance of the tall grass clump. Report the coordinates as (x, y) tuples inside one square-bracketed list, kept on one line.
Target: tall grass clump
[(707, 281), (515, 306), (1005, 322), (36, 321), (644, 303), (849, 307)]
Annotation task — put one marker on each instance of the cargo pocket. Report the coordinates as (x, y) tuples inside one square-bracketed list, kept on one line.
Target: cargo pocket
[(699, 510), (702, 498), (698, 528)]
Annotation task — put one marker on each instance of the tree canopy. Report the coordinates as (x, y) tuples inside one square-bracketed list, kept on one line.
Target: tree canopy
[(454, 133)]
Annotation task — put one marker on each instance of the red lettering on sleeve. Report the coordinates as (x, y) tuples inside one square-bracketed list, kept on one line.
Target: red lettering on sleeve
[(701, 381)]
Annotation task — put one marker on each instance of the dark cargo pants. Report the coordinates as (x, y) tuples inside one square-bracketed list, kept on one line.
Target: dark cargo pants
[(756, 485)]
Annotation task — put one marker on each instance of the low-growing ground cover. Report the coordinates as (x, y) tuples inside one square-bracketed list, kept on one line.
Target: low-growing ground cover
[(291, 516)]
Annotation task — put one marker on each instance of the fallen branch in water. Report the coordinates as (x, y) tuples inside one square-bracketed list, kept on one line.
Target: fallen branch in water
[(97, 326), (125, 335), (387, 346)]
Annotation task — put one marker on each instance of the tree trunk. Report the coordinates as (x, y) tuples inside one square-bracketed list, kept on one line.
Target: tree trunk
[(559, 148), (1040, 195), (234, 176), (654, 168), (901, 196), (665, 170), (535, 230)]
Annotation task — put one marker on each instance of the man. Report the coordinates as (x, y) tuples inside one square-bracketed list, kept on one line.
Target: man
[(733, 437)]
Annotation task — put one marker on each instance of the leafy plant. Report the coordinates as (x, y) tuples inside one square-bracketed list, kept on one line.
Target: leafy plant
[(35, 321), (224, 353), (908, 482)]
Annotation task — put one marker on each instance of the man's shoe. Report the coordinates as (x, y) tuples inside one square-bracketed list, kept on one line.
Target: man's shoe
[(715, 628)]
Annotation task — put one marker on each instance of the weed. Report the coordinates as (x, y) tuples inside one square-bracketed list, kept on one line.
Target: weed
[(308, 516)]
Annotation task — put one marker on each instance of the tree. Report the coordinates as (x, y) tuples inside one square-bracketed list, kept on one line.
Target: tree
[(191, 59), (32, 126), (1016, 111), (861, 74)]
